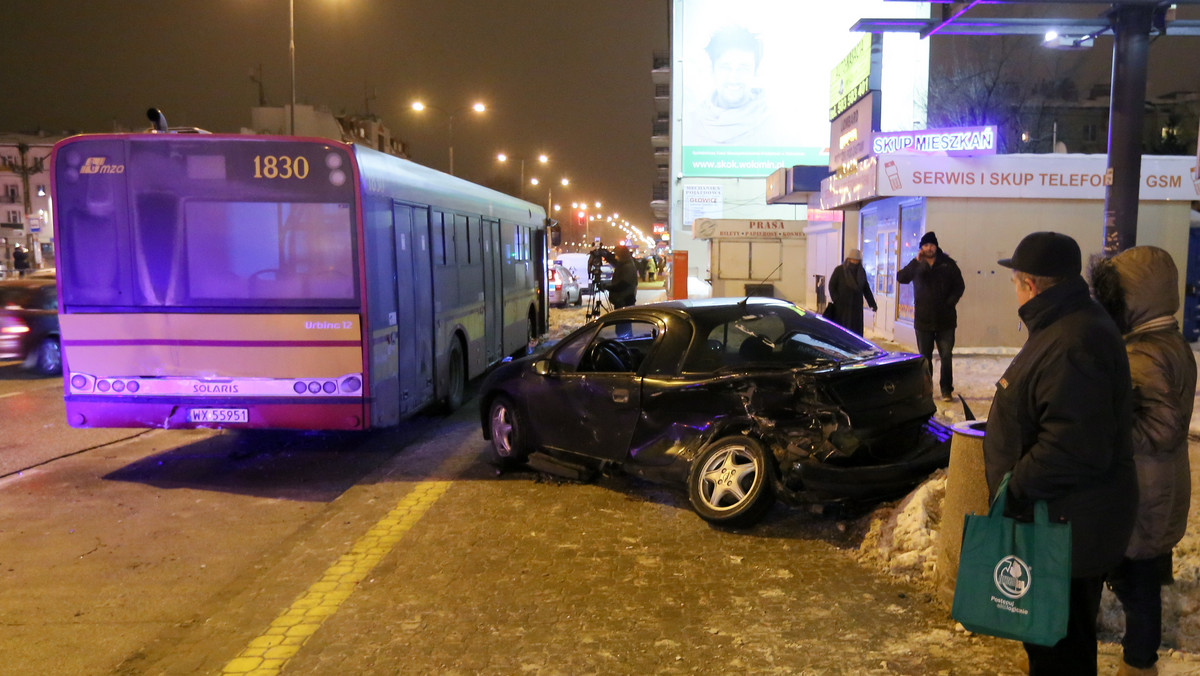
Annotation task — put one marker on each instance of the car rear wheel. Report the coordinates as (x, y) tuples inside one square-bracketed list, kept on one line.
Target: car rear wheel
[(507, 426), (49, 357), (730, 483)]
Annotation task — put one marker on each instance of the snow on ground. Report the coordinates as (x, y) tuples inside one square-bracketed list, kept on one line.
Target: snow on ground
[(900, 537)]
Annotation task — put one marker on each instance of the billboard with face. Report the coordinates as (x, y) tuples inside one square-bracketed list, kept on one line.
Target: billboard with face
[(754, 76)]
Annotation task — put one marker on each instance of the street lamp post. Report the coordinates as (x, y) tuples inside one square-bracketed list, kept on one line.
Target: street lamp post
[(476, 107), (292, 58), (542, 158)]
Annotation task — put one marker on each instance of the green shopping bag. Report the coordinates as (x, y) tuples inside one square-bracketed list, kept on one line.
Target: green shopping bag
[(1014, 578)]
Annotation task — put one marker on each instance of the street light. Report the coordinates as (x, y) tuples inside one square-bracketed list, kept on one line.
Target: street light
[(476, 107), (564, 181), (542, 158)]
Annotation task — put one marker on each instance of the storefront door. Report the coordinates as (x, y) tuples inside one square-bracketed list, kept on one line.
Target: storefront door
[(885, 281)]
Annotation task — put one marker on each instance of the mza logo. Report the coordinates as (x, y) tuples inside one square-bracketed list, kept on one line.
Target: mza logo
[(98, 165), (1012, 577)]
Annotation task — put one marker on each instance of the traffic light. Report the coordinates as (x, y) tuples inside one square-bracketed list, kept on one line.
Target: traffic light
[(580, 218)]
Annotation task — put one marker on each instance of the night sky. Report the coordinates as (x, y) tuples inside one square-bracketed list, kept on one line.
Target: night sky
[(570, 78)]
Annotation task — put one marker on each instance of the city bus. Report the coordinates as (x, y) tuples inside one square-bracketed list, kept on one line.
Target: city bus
[(225, 281)]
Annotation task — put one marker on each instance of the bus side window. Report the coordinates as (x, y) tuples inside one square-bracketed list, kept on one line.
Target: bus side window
[(439, 238), (461, 254)]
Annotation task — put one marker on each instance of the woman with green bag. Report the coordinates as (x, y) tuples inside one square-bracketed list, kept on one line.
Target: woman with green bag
[(1061, 424)]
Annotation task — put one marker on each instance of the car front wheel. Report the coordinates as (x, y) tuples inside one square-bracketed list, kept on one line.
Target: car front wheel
[(507, 426), (730, 483)]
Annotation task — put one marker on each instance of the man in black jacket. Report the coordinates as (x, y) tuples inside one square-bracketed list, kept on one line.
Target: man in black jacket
[(937, 287), (1061, 422), (622, 290)]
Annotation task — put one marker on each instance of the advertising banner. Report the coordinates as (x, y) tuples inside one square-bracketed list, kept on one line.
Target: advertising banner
[(702, 201), (744, 73), (851, 78), (1049, 176), (736, 228), (850, 134)]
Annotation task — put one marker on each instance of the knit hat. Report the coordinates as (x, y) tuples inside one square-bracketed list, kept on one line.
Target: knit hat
[(854, 254), (929, 238), (1046, 254)]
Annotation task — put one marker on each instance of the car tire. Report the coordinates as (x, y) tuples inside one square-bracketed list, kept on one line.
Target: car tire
[(456, 379), (731, 482), (578, 299), (48, 359), (508, 430)]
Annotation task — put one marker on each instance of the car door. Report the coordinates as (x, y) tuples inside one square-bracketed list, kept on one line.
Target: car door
[(590, 402)]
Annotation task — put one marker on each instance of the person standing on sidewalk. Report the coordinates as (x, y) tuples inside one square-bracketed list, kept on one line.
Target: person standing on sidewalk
[(622, 289), (937, 287), (1061, 423), (1140, 290), (848, 286)]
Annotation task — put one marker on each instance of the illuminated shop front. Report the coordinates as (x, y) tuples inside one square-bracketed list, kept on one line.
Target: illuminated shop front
[(980, 206)]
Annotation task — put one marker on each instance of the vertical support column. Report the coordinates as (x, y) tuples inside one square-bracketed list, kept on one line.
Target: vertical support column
[(1131, 24)]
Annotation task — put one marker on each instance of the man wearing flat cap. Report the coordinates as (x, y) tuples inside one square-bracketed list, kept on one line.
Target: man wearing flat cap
[(937, 287), (1061, 423)]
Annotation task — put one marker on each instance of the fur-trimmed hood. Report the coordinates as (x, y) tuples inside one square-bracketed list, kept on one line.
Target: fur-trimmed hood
[(1137, 285)]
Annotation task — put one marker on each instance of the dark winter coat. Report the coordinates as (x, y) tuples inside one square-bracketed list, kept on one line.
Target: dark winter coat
[(1061, 422), (848, 286), (937, 289), (1139, 288), (622, 289)]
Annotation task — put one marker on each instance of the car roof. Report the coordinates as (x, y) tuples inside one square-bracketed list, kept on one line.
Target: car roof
[(709, 311)]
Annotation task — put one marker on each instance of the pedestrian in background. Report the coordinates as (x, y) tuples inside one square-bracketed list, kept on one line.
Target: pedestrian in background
[(937, 287), (1061, 423), (848, 287), (20, 260), (622, 289), (651, 268), (1140, 290)]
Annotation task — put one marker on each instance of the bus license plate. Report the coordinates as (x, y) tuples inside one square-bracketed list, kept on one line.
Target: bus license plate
[(218, 415)]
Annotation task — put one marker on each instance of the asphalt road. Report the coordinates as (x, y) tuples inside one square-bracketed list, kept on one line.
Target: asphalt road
[(402, 551)]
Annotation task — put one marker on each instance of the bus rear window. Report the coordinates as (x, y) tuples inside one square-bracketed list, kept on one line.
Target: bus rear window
[(268, 251), (191, 223)]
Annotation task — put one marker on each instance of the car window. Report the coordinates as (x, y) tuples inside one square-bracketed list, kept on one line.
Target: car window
[(776, 336), (567, 355), (619, 347)]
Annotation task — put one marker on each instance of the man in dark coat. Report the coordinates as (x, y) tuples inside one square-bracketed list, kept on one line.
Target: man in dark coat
[(1061, 423), (937, 287), (1140, 290), (622, 289), (848, 286)]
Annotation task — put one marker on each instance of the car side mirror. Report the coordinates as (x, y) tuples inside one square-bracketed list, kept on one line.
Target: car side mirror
[(543, 367)]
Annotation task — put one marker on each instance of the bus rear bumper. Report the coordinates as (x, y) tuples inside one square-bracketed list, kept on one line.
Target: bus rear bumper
[(294, 416)]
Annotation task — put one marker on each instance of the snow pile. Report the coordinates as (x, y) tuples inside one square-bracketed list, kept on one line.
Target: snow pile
[(901, 538)]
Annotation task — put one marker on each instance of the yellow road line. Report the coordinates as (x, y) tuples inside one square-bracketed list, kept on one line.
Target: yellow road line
[(267, 654)]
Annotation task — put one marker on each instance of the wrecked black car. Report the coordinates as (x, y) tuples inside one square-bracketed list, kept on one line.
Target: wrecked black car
[(741, 400)]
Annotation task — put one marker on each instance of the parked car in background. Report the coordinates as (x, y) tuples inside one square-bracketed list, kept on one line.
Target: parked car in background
[(564, 287), (740, 400), (29, 323)]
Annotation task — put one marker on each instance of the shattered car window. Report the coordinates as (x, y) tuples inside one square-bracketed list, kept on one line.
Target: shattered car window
[(775, 336)]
